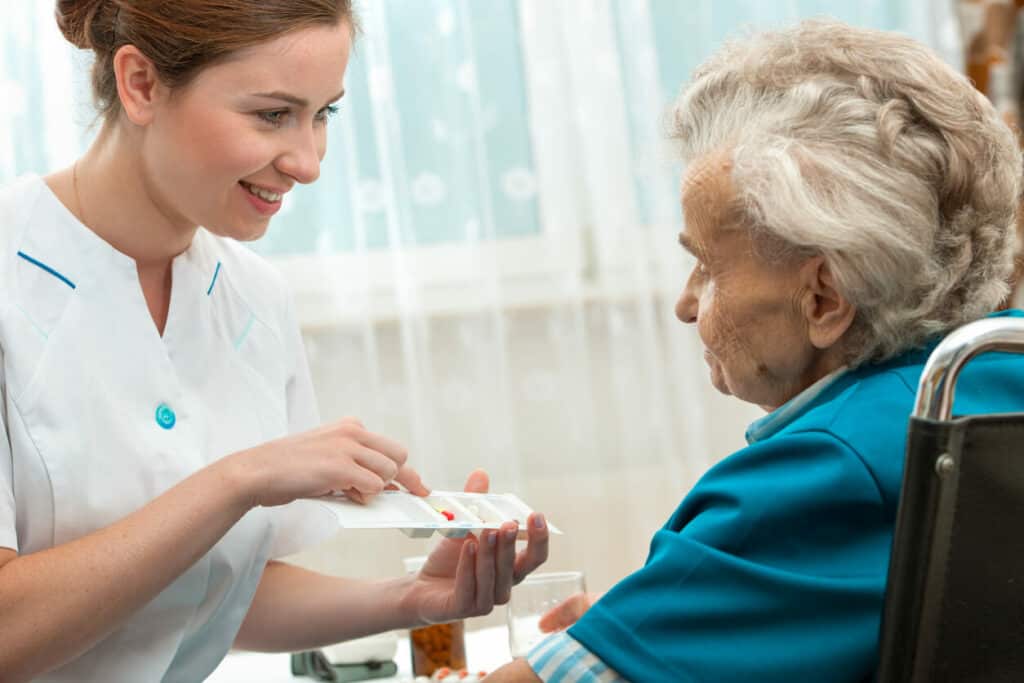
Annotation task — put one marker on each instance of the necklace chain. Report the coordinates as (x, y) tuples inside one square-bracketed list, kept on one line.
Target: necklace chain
[(78, 197)]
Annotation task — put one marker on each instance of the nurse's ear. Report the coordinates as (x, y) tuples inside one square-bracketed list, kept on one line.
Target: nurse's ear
[(138, 84)]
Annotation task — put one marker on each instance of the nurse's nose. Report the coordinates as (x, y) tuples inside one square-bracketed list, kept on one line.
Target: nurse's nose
[(301, 160)]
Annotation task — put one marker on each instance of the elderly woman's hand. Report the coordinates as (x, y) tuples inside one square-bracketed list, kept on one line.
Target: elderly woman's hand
[(468, 576), (566, 613)]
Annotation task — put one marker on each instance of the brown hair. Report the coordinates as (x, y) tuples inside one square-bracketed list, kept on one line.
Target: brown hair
[(185, 36)]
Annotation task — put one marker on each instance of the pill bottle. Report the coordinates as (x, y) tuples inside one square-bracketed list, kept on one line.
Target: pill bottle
[(438, 645)]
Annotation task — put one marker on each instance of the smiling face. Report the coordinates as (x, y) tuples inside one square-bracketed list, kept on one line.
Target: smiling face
[(759, 320), (223, 150)]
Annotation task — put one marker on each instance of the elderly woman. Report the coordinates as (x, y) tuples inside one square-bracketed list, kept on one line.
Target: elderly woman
[(848, 199)]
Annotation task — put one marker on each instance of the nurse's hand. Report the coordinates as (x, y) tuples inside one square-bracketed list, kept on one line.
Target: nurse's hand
[(338, 456), (468, 576)]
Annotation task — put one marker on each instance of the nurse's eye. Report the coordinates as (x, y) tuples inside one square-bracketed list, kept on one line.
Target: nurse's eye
[(326, 113), (275, 117)]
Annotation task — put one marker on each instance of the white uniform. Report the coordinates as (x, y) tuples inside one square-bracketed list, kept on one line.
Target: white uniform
[(102, 414)]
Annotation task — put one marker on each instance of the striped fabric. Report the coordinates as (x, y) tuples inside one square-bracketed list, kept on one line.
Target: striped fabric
[(560, 658)]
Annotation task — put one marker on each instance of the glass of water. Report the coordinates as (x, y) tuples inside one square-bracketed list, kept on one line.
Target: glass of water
[(533, 598)]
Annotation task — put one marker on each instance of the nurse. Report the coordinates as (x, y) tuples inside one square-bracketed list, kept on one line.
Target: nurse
[(156, 404)]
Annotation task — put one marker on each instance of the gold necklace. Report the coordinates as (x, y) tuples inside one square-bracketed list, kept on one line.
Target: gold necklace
[(78, 198)]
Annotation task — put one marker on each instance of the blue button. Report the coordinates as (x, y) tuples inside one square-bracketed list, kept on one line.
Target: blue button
[(165, 416)]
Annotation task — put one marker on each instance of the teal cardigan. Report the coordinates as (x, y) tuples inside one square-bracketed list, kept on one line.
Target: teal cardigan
[(773, 567)]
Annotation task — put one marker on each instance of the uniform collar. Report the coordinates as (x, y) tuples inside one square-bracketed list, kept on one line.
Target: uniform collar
[(68, 246)]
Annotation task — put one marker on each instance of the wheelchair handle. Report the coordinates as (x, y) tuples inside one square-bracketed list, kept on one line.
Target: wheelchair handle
[(935, 390)]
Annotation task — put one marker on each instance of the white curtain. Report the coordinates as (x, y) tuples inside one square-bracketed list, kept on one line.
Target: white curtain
[(487, 267)]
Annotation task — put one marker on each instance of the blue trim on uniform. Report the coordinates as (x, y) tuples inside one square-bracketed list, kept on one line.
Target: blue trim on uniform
[(245, 332), (47, 268), (31, 321), (216, 272)]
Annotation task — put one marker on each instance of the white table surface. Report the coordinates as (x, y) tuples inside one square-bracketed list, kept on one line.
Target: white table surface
[(486, 650)]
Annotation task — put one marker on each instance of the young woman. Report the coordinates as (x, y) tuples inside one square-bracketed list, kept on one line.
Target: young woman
[(157, 405)]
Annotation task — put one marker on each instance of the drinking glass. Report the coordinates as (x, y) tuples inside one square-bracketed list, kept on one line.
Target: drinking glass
[(531, 599)]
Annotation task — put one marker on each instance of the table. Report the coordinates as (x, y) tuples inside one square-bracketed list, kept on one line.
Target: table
[(486, 649)]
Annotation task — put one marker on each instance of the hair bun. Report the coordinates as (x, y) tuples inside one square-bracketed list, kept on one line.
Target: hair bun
[(84, 22)]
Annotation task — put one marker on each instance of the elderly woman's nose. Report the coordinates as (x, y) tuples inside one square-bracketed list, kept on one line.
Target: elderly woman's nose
[(686, 307)]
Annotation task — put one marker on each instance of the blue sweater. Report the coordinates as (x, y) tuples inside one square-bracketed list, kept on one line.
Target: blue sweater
[(773, 568)]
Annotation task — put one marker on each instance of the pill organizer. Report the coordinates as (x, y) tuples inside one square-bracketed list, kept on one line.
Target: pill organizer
[(449, 513)]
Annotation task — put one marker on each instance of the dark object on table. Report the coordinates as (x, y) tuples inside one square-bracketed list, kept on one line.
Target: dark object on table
[(315, 664)]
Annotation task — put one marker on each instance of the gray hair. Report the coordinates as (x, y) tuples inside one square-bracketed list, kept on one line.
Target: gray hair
[(864, 147)]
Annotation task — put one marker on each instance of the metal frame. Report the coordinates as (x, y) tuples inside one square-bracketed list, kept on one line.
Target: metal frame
[(935, 390)]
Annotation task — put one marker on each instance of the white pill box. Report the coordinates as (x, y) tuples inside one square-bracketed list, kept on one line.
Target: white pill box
[(420, 517)]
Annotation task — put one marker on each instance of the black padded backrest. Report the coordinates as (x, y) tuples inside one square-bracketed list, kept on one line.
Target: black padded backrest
[(955, 600)]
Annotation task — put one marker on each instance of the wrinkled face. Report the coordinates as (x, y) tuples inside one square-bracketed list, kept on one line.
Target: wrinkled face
[(223, 151), (747, 310)]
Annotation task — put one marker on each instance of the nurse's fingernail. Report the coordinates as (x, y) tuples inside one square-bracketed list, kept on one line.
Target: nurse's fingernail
[(492, 537), (510, 534), (538, 521), (472, 548)]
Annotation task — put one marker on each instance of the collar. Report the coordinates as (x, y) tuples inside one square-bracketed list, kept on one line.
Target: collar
[(67, 246), (779, 418), (774, 421)]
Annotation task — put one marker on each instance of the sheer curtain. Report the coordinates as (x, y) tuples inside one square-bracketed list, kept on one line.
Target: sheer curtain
[(487, 267)]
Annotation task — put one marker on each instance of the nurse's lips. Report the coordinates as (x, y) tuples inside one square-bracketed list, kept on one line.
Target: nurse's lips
[(265, 200)]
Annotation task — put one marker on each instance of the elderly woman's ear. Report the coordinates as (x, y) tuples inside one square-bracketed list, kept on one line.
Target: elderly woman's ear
[(826, 311)]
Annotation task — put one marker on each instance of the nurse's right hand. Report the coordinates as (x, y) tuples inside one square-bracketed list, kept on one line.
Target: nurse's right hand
[(339, 456)]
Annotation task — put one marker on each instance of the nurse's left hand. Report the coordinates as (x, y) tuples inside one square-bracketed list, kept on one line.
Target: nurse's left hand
[(467, 577)]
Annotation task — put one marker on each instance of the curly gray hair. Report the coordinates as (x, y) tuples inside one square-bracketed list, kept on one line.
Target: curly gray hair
[(863, 146)]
